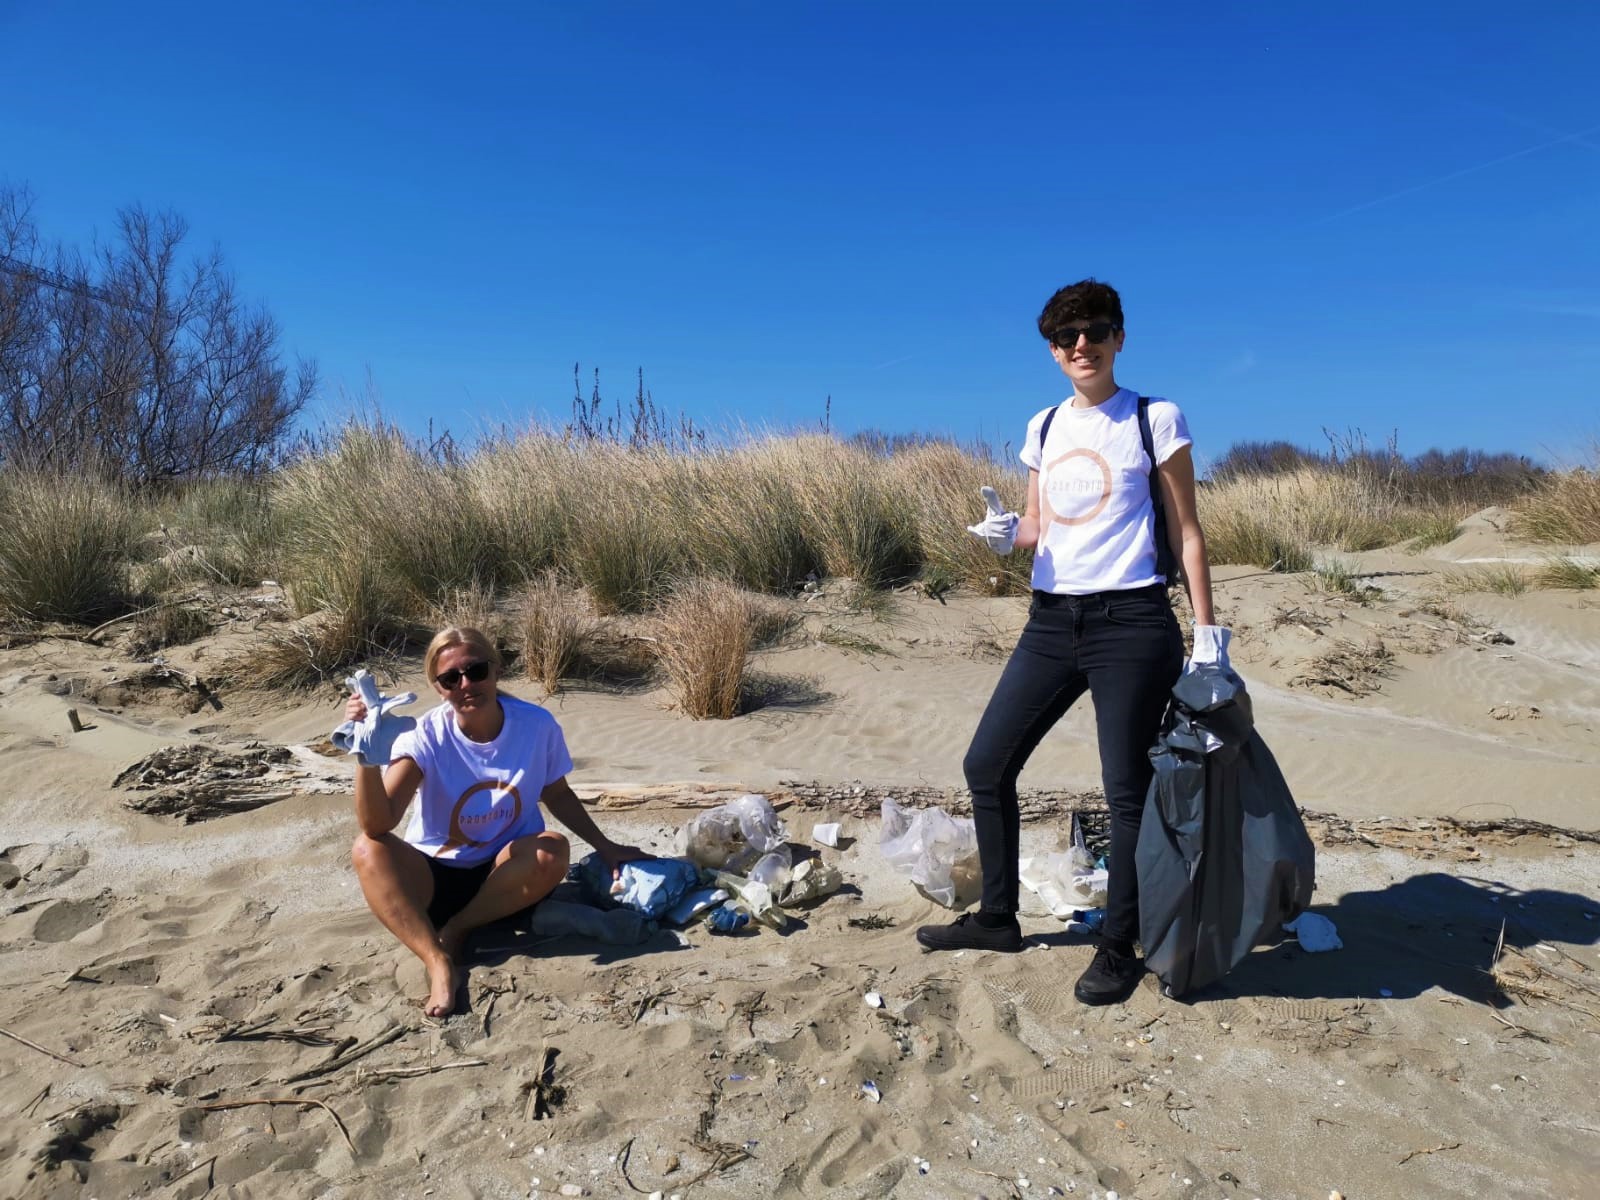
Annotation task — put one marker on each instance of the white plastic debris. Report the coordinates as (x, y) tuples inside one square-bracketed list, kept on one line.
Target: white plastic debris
[(1316, 933), (1067, 883), (826, 834), (874, 1000), (871, 1092), (811, 880), (938, 851)]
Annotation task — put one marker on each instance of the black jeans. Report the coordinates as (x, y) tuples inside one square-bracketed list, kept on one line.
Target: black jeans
[(1125, 650)]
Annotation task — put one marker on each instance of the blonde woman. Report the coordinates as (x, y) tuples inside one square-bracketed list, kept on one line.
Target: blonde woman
[(484, 766)]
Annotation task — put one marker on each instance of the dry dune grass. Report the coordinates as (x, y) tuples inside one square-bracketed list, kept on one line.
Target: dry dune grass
[(381, 537), (703, 634), (1565, 511), (66, 545), (556, 630), (1277, 519)]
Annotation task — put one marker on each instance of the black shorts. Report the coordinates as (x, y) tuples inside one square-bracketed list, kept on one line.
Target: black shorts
[(453, 887)]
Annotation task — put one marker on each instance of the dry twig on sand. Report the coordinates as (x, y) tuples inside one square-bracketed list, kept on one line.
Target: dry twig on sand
[(385, 1074), (1430, 1150), (17, 1037), (346, 1057)]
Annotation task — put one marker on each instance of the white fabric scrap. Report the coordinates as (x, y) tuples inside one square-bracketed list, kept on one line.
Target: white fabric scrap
[(1317, 934)]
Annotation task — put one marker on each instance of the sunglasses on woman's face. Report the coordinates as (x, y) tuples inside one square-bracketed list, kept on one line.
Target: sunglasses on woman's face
[(1096, 333), (474, 672)]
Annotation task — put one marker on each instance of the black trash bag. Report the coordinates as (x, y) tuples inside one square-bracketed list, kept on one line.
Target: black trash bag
[(1223, 857)]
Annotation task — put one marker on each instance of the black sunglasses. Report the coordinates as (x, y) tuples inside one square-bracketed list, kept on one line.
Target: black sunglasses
[(475, 672), (1096, 333)]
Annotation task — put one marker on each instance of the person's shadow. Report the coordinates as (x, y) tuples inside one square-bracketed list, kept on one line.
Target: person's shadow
[(1428, 931)]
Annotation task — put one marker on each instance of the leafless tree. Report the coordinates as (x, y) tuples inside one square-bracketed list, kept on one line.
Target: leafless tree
[(150, 367)]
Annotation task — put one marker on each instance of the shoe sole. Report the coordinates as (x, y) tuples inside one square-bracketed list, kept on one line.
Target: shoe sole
[(935, 946)]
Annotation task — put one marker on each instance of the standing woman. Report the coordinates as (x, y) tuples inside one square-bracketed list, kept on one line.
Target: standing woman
[(484, 766), (1100, 620)]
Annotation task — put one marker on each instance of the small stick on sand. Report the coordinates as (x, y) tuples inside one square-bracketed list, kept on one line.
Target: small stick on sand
[(34, 1103), (210, 1179), (1431, 1150), (384, 1074), (622, 1164), (344, 1059), (301, 1101), (17, 1037)]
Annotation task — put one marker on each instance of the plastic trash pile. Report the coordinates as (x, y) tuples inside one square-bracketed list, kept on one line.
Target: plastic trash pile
[(737, 868), (938, 851)]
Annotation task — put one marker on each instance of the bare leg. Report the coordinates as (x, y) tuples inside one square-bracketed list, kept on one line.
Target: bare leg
[(398, 887), (525, 871)]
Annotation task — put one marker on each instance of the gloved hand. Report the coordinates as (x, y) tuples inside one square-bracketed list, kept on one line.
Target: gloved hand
[(1210, 647), (371, 734), (998, 529)]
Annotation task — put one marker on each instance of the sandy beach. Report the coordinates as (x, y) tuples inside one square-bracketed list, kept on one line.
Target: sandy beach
[(172, 976)]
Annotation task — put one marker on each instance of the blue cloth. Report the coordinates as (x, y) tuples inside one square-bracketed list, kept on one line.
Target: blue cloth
[(372, 738), (648, 885)]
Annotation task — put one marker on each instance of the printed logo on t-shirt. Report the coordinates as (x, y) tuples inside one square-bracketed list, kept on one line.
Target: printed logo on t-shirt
[(1077, 488), (483, 813)]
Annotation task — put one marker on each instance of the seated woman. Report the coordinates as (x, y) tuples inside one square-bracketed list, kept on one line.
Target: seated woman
[(476, 849)]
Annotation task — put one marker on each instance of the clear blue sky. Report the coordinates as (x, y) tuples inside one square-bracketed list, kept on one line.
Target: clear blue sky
[(1345, 215)]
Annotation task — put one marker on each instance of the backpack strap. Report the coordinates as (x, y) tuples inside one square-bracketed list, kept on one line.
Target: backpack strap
[(1044, 430), (1166, 562)]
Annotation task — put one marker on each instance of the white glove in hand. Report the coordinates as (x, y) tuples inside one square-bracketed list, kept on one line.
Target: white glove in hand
[(1210, 647), (372, 739), (998, 529)]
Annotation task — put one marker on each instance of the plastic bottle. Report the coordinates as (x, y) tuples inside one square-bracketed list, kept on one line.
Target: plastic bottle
[(774, 869)]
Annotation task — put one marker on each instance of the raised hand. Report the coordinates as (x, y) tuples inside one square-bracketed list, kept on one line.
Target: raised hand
[(998, 529)]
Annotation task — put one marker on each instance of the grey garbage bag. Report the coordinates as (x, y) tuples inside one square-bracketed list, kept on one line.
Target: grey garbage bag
[(1223, 857)]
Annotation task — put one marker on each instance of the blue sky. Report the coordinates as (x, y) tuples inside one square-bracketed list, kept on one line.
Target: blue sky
[(1345, 216)]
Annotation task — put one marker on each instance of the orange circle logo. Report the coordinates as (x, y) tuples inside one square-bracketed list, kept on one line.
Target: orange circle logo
[(1080, 483), (479, 824)]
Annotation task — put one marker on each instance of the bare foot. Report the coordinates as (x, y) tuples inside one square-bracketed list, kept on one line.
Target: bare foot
[(442, 981)]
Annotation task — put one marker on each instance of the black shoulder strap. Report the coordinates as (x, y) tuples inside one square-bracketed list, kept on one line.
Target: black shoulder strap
[(1166, 563), (1044, 430)]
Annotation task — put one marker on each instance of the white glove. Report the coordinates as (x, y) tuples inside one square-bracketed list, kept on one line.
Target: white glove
[(372, 739), (1210, 647), (998, 529)]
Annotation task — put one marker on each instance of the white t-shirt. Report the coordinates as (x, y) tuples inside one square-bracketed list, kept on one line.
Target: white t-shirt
[(477, 797), (1096, 519)]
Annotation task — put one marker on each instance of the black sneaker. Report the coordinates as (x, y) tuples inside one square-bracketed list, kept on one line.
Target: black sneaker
[(964, 933), (1110, 979)]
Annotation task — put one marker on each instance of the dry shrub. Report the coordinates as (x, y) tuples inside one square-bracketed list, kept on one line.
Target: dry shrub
[(66, 542), (356, 623), (556, 631), (703, 635), (169, 625), (1564, 511)]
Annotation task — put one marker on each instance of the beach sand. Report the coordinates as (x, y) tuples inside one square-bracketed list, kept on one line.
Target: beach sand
[(1444, 744)]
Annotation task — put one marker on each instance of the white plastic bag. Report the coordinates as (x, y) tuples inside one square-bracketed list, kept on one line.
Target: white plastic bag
[(938, 851), (759, 823), (727, 835), (1067, 882)]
